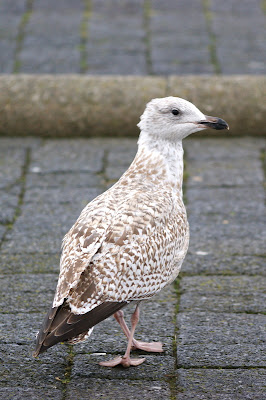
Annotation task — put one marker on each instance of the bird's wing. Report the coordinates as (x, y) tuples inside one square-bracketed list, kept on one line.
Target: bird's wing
[(138, 251), (115, 262), (82, 242)]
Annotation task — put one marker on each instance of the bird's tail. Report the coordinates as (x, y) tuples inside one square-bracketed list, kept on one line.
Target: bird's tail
[(61, 325)]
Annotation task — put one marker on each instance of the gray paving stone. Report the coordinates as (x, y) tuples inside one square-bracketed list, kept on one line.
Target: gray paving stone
[(175, 28), (122, 154), (11, 12), (229, 384), (74, 155), (19, 143), (209, 339), (223, 294), (21, 329), (27, 293), (226, 173), (2, 231), (46, 217), (223, 149), (116, 38), (117, 389), (64, 179), (213, 236), (156, 367), (54, 30), (18, 393), (19, 368), (17, 263), (118, 160), (231, 204), (216, 396), (240, 36), (9, 202), (11, 164), (214, 263)]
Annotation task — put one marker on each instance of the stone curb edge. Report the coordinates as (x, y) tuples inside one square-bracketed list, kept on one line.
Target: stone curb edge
[(77, 105)]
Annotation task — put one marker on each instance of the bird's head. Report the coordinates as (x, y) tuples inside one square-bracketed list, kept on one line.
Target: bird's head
[(173, 118)]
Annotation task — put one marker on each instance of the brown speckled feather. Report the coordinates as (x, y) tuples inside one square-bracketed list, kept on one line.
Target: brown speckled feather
[(62, 325)]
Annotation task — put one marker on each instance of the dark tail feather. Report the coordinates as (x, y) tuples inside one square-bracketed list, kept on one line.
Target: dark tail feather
[(60, 324)]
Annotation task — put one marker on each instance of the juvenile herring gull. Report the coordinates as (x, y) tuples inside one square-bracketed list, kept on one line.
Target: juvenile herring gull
[(129, 242)]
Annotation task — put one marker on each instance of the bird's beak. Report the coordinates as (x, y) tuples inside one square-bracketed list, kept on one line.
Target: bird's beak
[(214, 123)]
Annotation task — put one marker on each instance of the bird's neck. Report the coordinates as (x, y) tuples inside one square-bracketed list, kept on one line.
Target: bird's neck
[(159, 161)]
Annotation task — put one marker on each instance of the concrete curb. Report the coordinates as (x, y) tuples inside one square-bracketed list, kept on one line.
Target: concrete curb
[(75, 105)]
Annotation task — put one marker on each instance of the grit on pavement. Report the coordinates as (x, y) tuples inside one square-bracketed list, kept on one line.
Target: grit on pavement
[(136, 37), (211, 321)]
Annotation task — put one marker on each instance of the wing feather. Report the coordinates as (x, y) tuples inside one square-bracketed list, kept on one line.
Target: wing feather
[(62, 325)]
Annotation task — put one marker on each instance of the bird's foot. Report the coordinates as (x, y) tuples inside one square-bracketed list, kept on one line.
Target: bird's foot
[(125, 361), (155, 347)]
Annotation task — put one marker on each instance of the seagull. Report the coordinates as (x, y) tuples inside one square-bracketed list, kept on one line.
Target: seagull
[(129, 242)]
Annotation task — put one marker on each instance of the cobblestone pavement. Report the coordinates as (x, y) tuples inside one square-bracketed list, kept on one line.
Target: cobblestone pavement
[(212, 321), (132, 36)]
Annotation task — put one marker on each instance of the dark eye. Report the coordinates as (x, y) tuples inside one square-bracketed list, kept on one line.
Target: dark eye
[(175, 111)]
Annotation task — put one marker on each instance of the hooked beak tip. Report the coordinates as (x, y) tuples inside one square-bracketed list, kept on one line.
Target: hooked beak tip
[(214, 123)]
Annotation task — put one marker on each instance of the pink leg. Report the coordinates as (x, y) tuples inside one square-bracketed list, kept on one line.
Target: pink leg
[(156, 347), (126, 361)]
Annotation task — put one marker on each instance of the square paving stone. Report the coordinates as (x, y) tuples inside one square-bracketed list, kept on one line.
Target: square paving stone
[(221, 340), (64, 180), (230, 203), (183, 20), (239, 31), (223, 294), (12, 161), (226, 173), (10, 20), (46, 217), (119, 159), (19, 368), (17, 263), (19, 393), (56, 32), (230, 384), (9, 201), (120, 389), (220, 149), (26, 293), (16, 142), (213, 235), (116, 38), (3, 229), (22, 328), (215, 264), (67, 156), (155, 367)]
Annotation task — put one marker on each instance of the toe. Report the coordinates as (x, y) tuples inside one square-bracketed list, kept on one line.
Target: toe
[(155, 347), (111, 363)]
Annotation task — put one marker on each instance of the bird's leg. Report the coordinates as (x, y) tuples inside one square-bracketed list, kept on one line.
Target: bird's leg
[(126, 361), (156, 347)]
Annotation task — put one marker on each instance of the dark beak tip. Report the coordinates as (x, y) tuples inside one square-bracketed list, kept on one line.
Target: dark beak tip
[(215, 123)]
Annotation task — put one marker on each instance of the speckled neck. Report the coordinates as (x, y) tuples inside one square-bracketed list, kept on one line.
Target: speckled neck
[(160, 160)]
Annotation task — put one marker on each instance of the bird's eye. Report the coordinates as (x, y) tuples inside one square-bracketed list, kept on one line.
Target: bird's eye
[(175, 111)]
